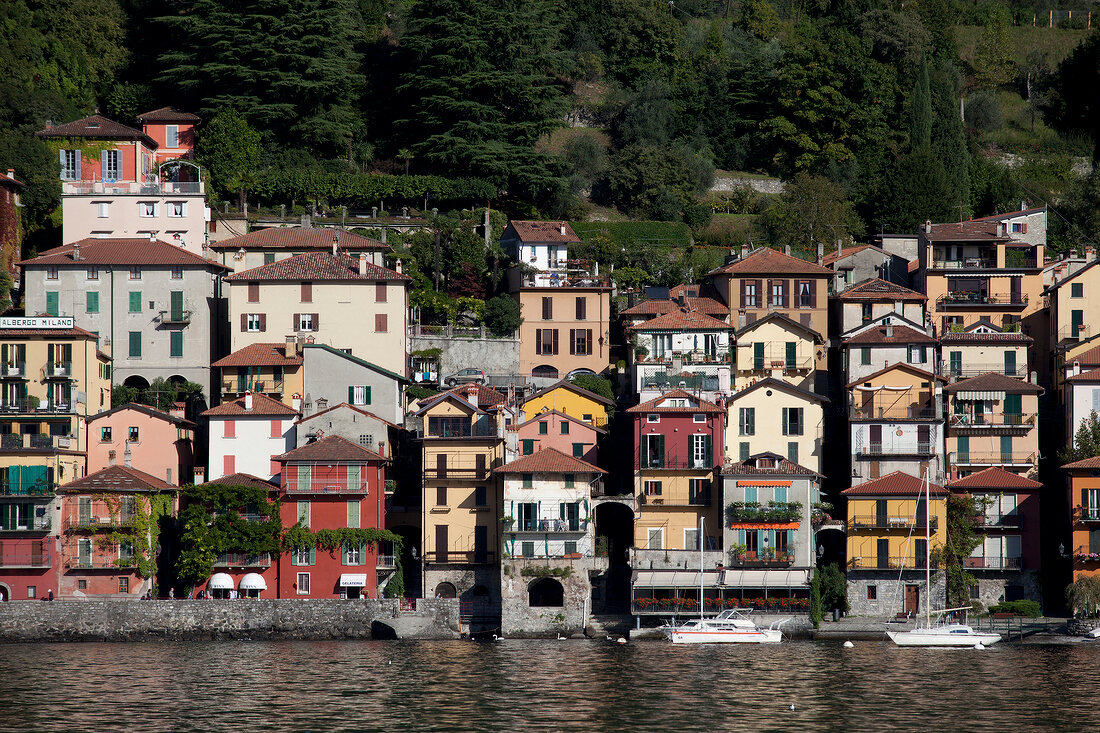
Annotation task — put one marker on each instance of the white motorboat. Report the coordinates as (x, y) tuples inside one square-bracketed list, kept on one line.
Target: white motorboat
[(732, 626), (960, 635)]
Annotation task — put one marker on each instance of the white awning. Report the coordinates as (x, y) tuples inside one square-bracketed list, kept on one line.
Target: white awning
[(220, 581), (983, 395), (729, 578), (253, 581), (353, 580)]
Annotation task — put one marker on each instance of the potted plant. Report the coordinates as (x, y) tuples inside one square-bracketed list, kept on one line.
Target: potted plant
[(506, 523), (640, 353)]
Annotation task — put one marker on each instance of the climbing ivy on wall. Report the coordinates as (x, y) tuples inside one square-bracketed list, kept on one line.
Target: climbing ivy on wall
[(142, 530)]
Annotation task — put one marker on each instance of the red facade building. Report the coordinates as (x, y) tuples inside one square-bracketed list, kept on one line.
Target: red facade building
[(243, 573)]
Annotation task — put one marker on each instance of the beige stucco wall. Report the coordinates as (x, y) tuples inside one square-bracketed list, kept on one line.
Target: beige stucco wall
[(775, 336), (346, 311), (769, 403), (730, 287), (985, 443), (981, 358), (674, 514), (80, 218), (258, 256), (598, 314)]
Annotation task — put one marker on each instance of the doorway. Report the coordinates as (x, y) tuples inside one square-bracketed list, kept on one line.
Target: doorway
[(912, 599)]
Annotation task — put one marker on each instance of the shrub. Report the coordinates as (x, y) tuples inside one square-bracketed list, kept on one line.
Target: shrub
[(983, 112), (1029, 609), (502, 316)]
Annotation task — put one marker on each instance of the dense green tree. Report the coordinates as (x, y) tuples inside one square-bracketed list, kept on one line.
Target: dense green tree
[(915, 190), (1086, 441), (1072, 103), (948, 139), (654, 182), (920, 112), (993, 60), (899, 39), (598, 385), (811, 209), (229, 148), (502, 315), (639, 39)]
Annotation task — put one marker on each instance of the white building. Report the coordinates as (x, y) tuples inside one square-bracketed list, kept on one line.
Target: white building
[(246, 434), (542, 245), (886, 341)]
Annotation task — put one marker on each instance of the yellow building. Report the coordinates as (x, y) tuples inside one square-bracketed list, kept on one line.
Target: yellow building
[(774, 416), (778, 347), (273, 369), (569, 399), (993, 420), (889, 520), (565, 328), (462, 441)]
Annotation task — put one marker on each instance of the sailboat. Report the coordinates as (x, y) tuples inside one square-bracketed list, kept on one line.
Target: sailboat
[(942, 634), (731, 626)]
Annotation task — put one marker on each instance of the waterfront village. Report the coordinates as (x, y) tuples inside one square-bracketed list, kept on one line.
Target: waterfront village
[(793, 435)]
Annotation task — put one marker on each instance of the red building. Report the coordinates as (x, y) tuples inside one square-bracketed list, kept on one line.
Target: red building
[(249, 574), (332, 484)]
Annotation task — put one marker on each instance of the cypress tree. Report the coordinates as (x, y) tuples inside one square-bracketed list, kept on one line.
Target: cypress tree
[(949, 140), (920, 112)]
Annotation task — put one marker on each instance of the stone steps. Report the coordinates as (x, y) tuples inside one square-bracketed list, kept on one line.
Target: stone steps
[(604, 625)]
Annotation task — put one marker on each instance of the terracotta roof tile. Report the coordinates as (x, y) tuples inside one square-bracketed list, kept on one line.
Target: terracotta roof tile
[(117, 478), (994, 477), (167, 114), (262, 406), (709, 306), (701, 405), (993, 382), (900, 367), (97, 126), (244, 479), (263, 354), (901, 335), (783, 467), (544, 231), (894, 484), (297, 238), (1093, 463), (878, 289), (145, 410), (976, 230), (682, 320), (1090, 358), (130, 251), (330, 448), (767, 261), (1011, 214), (1092, 375), (548, 460), (346, 406), (318, 266), (566, 384)]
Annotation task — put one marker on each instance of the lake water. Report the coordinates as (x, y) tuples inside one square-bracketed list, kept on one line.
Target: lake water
[(545, 685)]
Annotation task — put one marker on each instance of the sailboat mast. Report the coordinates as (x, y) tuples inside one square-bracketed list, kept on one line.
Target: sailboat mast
[(700, 568), (927, 549)]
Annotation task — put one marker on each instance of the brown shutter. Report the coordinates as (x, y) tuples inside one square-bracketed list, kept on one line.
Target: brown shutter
[(588, 338), (573, 341), (768, 294), (813, 293), (307, 292), (1023, 228), (582, 308), (759, 289), (380, 322), (441, 465), (244, 322), (263, 321), (441, 555), (480, 464), (555, 342), (380, 292), (297, 321), (547, 308), (316, 321), (786, 293), (538, 340), (253, 292), (742, 284)]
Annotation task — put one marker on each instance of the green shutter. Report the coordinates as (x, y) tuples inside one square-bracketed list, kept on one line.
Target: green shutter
[(92, 298), (792, 452), (1010, 363), (176, 306), (51, 303), (707, 454), (744, 451), (1006, 449), (135, 301), (135, 344), (351, 395), (1013, 406), (313, 556), (175, 339), (963, 445), (661, 451), (758, 356), (578, 450), (864, 356), (792, 354)]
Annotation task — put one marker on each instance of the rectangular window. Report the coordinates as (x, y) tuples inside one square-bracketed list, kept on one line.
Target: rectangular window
[(792, 355), (112, 165), (105, 435), (352, 554), (91, 304), (171, 136), (52, 307), (528, 445), (544, 427), (305, 322), (872, 592), (229, 429), (547, 308), (353, 514), (778, 293), (578, 450), (527, 549), (359, 395), (653, 451), (655, 539), (135, 273), (147, 209), (253, 292), (481, 496), (441, 496), (135, 345), (582, 308), (254, 322), (135, 301), (865, 356), (806, 294), (746, 421), (1076, 290), (652, 488), (792, 452), (70, 165), (528, 480), (792, 421), (381, 323), (749, 297), (175, 343), (758, 356), (546, 341), (567, 479), (93, 273), (103, 209), (564, 428), (303, 584), (123, 585), (743, 451), (177, 272), (380, 293), (303, 510), (177, 209)]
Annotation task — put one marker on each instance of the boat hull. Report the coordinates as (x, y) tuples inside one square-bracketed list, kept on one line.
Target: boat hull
[(932, 637), (762, 636)]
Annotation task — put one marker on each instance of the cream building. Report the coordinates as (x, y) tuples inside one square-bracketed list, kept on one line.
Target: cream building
[(326, 298), (264, 246), (984, 347), (774, 416), (777, 347), (870, 300)]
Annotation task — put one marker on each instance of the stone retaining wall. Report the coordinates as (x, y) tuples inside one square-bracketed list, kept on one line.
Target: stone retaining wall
[(1081, 626), (136, 620)]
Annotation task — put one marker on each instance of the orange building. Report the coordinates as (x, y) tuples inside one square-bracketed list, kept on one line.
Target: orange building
[(1084, 498)]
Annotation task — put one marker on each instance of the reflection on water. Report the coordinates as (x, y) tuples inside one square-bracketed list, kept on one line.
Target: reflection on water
[(546, 685)]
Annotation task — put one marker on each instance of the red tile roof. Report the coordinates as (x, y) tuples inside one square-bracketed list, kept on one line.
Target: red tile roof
[(781, 385), (296, 238), (783, 467), (1092, 375), (993, 382), (1093, 463), (486, 396), (145, 410), (97, 126), (783, 319), (539, 415), (117, 478), (330, 448), (682, 320), (345, 405), (566, 384), (74, 332), (544, 231), (1011, 214), (767, 261), (549, 460), (701, 405), (970, 335), (1089, 358), (901, 335), (893, 484), (994, 477), (262, 406), (709, 306), (167, 114), (878, 289), (264, 354), (966, 231), (899, 366), (126, 252), (318, 266), (244, 479)]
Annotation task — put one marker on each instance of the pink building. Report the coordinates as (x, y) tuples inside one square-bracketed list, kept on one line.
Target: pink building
[(156, 442), (554, 429), (172, 130)]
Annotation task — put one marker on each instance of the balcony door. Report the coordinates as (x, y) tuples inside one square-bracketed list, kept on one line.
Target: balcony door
[(441, 543), (876, 439), (882, 549), (481, 544)]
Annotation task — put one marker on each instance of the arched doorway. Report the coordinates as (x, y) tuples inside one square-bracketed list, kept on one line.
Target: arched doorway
[(5, 593), (545, 370), (136, 381), (546, 593), (446, 590)]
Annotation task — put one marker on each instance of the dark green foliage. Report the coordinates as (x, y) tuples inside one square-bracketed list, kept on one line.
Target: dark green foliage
[(817, 613), (1028, 609), (834, 587), (587, 159), (920, 113), (159, 394), (915, 190), (229, 148), (1072, 104), (657, 182), (983, 112), (502, 315), (961, 538), (1086, 441), (811, 209), (598, 385)]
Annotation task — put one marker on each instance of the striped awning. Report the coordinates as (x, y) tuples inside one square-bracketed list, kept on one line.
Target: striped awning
[(729, 578), (980, 395)]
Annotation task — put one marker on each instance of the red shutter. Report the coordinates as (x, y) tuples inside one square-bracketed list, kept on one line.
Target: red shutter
[(253, 292), (742, 283), (244, 321), (316, 321), (573, 341), (229, 465), (380, 322), (1023, 228), (787, 293), (297, 321), (555, 342), (380, 292), (276, 429), (588, 338), (813, 293), (760, 294), (230, 429), (307, 292), (263, 321)]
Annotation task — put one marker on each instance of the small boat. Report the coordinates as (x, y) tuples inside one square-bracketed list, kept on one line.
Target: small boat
[(732, 626), (953, 634)]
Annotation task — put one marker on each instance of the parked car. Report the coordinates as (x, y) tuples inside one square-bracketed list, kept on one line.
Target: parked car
[(465, 376)]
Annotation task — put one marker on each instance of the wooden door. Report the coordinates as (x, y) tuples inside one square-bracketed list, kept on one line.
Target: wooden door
[(441, 465), (912, 599)]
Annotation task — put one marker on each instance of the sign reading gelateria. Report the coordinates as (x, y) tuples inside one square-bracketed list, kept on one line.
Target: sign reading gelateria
[(32, 322)]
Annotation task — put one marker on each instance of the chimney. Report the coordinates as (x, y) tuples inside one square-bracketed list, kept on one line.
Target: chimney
[(11, 173), (296, 402), (111, 457), (1076, 368), (200, 475), (398, 267), (927, 226), (471, 395), (248, 401), (889, 330), (744, 251), (787, 250), (383, 235), (306, 223), (1090, 252), (152, 236), (76, 251), (291, 346), (820, 253), (563, 229), (1023, 205), (335, 244), (126, 456), (177, 409), (839, 247), (362, 262)]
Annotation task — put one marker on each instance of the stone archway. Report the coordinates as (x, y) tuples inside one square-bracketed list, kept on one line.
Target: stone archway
[(137, 381), (545, 370), (546, 593), (446, 590), (5, 593)]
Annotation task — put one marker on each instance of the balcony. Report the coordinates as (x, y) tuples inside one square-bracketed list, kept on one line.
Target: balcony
[(35, 554), (58, 371), (970, 298), (326, 487), (385, 562), (457, 473), (76, 521), (34, 406), (243, 560), (27, 524), (460, 557), (664, 380), (99, 563), (690, 358), (993, 563), (761, 558), (1077, 332), (993, 458), (991, 422), (1002, 521), (175, 317), (1088, 514), (235, 386), (673, 501), (14, 370), (551, 526), (674, 462), (131, 188), (865, 522), (740, 512), (968, 263), (898, 412), (877, 450), (972, 369), (889, 563), (22, 488), (481, 430), (572, 278)]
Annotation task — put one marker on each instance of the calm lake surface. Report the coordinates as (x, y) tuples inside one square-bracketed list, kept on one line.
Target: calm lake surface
[(545, 685)]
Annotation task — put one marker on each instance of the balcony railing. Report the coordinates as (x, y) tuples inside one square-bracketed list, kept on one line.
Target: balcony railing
[(992, 458), (99, 563), (1001, 521), (1074, 333), (320, 486), (567, 279), (969, 263), (969, 298), (901, 412), (27, 524), (692, 382), (103, 520), (462, 431), (920, 448), (24, 488), (972, 369), (385, 562), (751, 559), (891, 563), (740, 512), (34, 555), (243, 560), (240, 386), (175, 317), (549, 526), (1088, 513), (460, 557), (993, 563), (674, 462), (473, 473), (15, 370), (991, 421), (17, 407), (60, 370), (131, 188), (674, 500), (888, 522)]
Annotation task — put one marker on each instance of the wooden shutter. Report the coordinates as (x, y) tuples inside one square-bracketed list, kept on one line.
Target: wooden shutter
[(479, 462), (1023, 228), (441, 465), (244, 322), (307, 292), (538, 340), (316, 321), (103, 165), (253, 292), (742, 284), (572, 341), (760, 294), (263, 321), (547, 308), (555, 342), (380, 325), (441, 543), (588, 340), (582, 308), (351, 395), (786, 293), (785, 416), (380, 292), (297, 321), (813, 293)]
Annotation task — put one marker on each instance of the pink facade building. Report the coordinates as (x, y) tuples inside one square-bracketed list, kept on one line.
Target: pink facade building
[(554, 429), (158, 443)]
